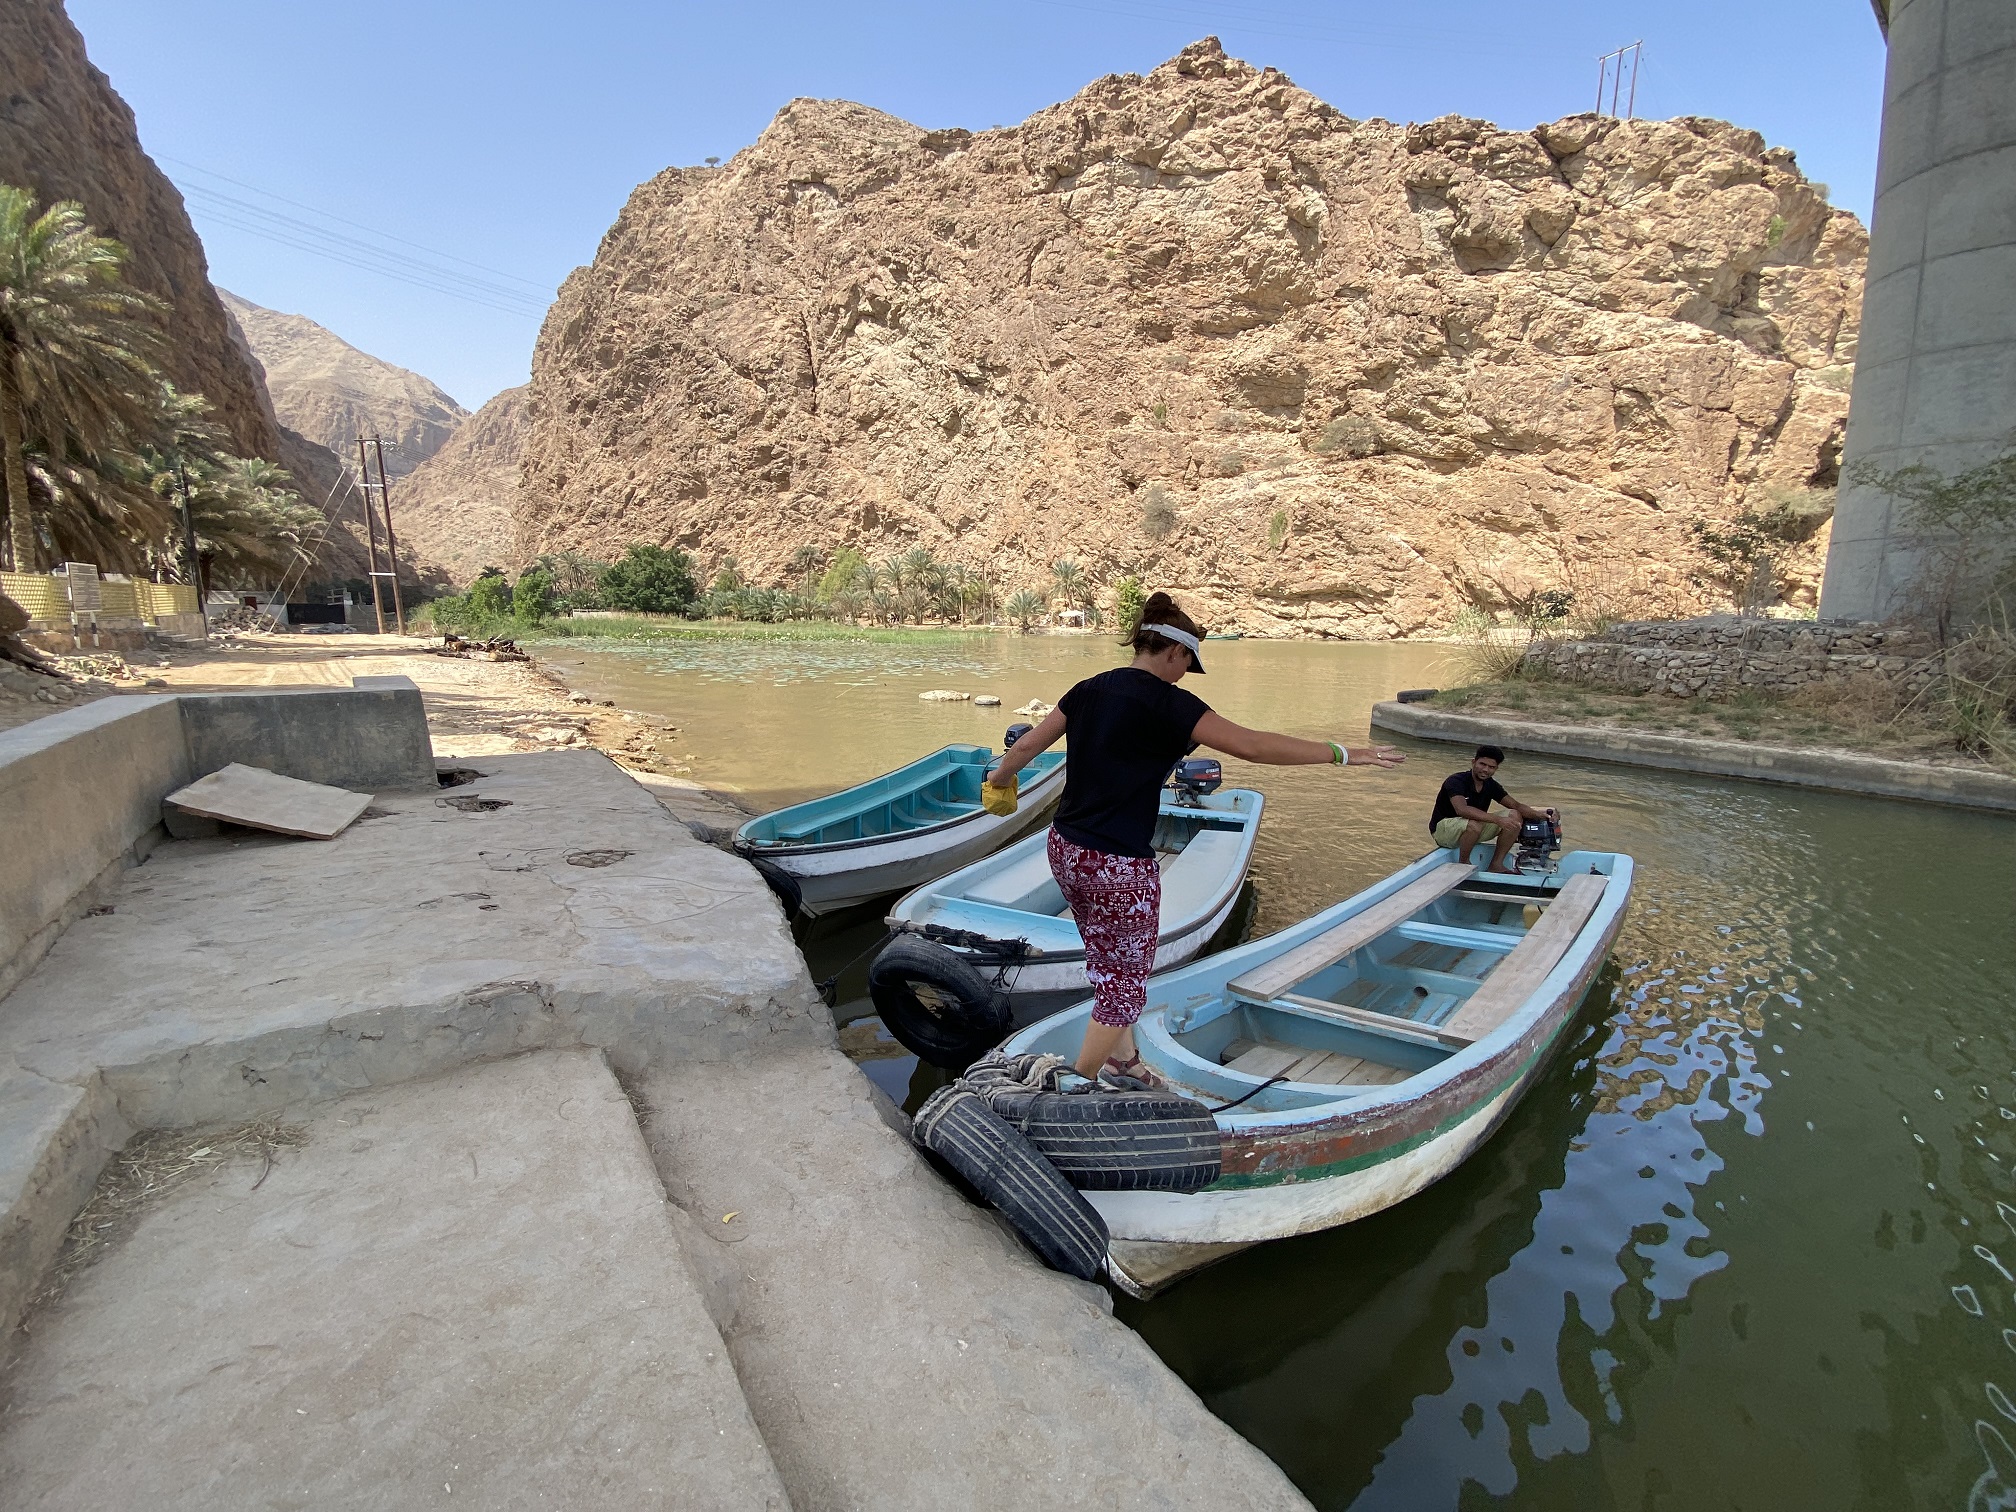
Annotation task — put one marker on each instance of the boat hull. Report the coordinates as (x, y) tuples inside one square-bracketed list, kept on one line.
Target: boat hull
[(1305, 1167), (1387, 1154), (833, 877)]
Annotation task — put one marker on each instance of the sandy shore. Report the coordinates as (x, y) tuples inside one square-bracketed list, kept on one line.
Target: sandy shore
[(474, 708)]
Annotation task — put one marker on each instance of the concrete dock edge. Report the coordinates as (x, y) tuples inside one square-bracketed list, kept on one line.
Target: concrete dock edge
[(1833, 771)]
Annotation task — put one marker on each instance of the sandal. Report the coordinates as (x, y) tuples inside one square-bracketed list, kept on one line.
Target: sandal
[(1131, 1070)]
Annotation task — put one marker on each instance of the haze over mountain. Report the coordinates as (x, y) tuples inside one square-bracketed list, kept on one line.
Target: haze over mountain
[(332, 393), (454, 509), (1321, 375)]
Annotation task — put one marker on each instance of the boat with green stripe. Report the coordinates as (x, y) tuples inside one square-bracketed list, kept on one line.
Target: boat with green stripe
[(1359, 1055)]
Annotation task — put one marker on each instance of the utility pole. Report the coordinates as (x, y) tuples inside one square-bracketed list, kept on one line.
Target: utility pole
[(371, 535), (1610, 74), (391, 542), (192, 570)]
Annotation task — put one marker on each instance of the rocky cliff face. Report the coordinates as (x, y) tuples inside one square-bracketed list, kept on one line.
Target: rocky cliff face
[(1318, 375), (454, 510), (66, 134), (328, 391)]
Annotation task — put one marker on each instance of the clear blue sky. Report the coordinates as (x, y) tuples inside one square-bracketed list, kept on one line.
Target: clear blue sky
[(508, 133)]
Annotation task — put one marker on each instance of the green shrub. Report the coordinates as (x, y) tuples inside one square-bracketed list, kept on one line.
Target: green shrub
[(532, 599), (1277, 529), (1129, 599), (490, 597), (649, 580)]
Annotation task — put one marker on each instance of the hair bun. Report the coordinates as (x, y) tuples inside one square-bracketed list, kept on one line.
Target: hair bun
[(1160, 607)]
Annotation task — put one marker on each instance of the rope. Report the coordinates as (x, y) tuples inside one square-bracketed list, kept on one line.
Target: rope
[(1227, 1107), (829, 990)]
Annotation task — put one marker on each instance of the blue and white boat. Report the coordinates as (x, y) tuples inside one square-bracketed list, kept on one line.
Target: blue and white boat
[(1360, 1055), (900, 829), (1006, 914)]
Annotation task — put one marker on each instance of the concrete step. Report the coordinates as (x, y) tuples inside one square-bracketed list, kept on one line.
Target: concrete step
[(899, 1349), (458, 1292)]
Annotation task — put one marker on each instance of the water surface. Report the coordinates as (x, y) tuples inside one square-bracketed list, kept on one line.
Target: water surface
[(1750, 1244)]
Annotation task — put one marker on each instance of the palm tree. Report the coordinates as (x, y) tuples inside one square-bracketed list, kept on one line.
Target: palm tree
[(78, 355), (805, 562), (1068, 579), (1022, 607)]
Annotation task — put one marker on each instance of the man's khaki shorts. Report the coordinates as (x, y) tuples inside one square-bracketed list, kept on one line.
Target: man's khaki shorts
[(1449, 833)]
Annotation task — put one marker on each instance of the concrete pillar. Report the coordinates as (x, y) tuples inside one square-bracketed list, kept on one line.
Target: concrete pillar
[(1935, 376)]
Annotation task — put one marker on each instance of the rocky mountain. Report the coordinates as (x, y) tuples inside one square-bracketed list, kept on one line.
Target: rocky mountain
[(1319, 375), (454, 509), (66, 134), (330, 392)]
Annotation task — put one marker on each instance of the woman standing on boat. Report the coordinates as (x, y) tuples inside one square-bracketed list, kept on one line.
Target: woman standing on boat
[(1128, 727)]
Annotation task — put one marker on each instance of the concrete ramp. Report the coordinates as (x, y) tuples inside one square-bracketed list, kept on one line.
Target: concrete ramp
[(459, 1292)]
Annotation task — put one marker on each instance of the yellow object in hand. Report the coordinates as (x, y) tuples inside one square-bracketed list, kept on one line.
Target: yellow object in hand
[(997, 800)]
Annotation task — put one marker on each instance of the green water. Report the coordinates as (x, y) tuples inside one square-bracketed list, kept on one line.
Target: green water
[(1750, 1244)]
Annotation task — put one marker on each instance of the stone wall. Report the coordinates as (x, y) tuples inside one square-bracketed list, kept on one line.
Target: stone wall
[(1719, 655)]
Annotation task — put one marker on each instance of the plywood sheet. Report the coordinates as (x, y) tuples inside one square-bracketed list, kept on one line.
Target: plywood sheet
[(1515, 978), (265, 800)]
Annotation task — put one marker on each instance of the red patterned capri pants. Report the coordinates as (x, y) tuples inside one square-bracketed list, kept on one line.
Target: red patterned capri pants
[(1116, 902)]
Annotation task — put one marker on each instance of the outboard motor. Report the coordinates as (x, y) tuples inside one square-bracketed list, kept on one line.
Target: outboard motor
[(1015, 733), (1193, 777), (1539, 840)]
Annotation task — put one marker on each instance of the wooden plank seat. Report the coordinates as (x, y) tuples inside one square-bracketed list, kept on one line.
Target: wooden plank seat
[(1513, 980), (1323, 1068), (1270, 979)]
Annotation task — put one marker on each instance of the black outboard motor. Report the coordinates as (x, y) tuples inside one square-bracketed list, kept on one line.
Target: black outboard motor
[(1015, 733), (1539, 840), (1193, 777)]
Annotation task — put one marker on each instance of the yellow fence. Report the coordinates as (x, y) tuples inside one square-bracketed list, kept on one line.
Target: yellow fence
[(46, 597)]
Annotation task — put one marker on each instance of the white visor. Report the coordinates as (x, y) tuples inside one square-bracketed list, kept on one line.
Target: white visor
[(1182, 638)]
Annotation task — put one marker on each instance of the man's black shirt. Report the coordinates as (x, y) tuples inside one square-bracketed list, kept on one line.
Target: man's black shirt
[(1125, 729), (1463, 785)]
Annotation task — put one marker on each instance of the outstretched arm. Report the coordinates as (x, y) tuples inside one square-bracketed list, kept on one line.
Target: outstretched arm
[(1271, 749), (1027, 749), (1527, 811)]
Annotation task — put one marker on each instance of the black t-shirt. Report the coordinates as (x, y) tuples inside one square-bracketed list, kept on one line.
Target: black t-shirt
[(1463, 785), (1124, 729)]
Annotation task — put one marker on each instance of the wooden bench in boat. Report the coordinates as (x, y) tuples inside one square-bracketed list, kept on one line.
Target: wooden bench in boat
[(1513, 980), (1270, 979), (1510, 983), (1322, 1068)]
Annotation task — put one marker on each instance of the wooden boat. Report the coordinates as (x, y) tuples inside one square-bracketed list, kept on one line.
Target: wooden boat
[(900, 829), (1203, 842), (1375, 1046)]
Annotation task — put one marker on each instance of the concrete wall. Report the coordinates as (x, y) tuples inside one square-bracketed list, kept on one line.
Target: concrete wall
[(1935, 380), (81, 791), (80, 801), (372, 736)]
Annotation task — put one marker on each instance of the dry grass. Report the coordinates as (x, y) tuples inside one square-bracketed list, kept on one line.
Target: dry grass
[(149, 1168)]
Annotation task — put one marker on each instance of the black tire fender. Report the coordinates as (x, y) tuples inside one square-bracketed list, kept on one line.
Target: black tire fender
[(936, 1003), (789, 895), (1117, 1141), (1064, 1230)]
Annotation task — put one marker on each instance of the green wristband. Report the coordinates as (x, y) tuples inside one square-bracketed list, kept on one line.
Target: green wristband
[(1338, 755)]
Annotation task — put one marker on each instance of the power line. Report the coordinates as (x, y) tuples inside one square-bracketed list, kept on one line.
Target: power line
[(354, 225), (361, 255)]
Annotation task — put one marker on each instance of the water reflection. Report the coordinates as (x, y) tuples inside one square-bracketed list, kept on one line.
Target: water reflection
[(1751, 1241)]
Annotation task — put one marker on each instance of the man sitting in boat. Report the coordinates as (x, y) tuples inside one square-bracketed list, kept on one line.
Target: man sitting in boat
[(1463, 811), (1128, 727)]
